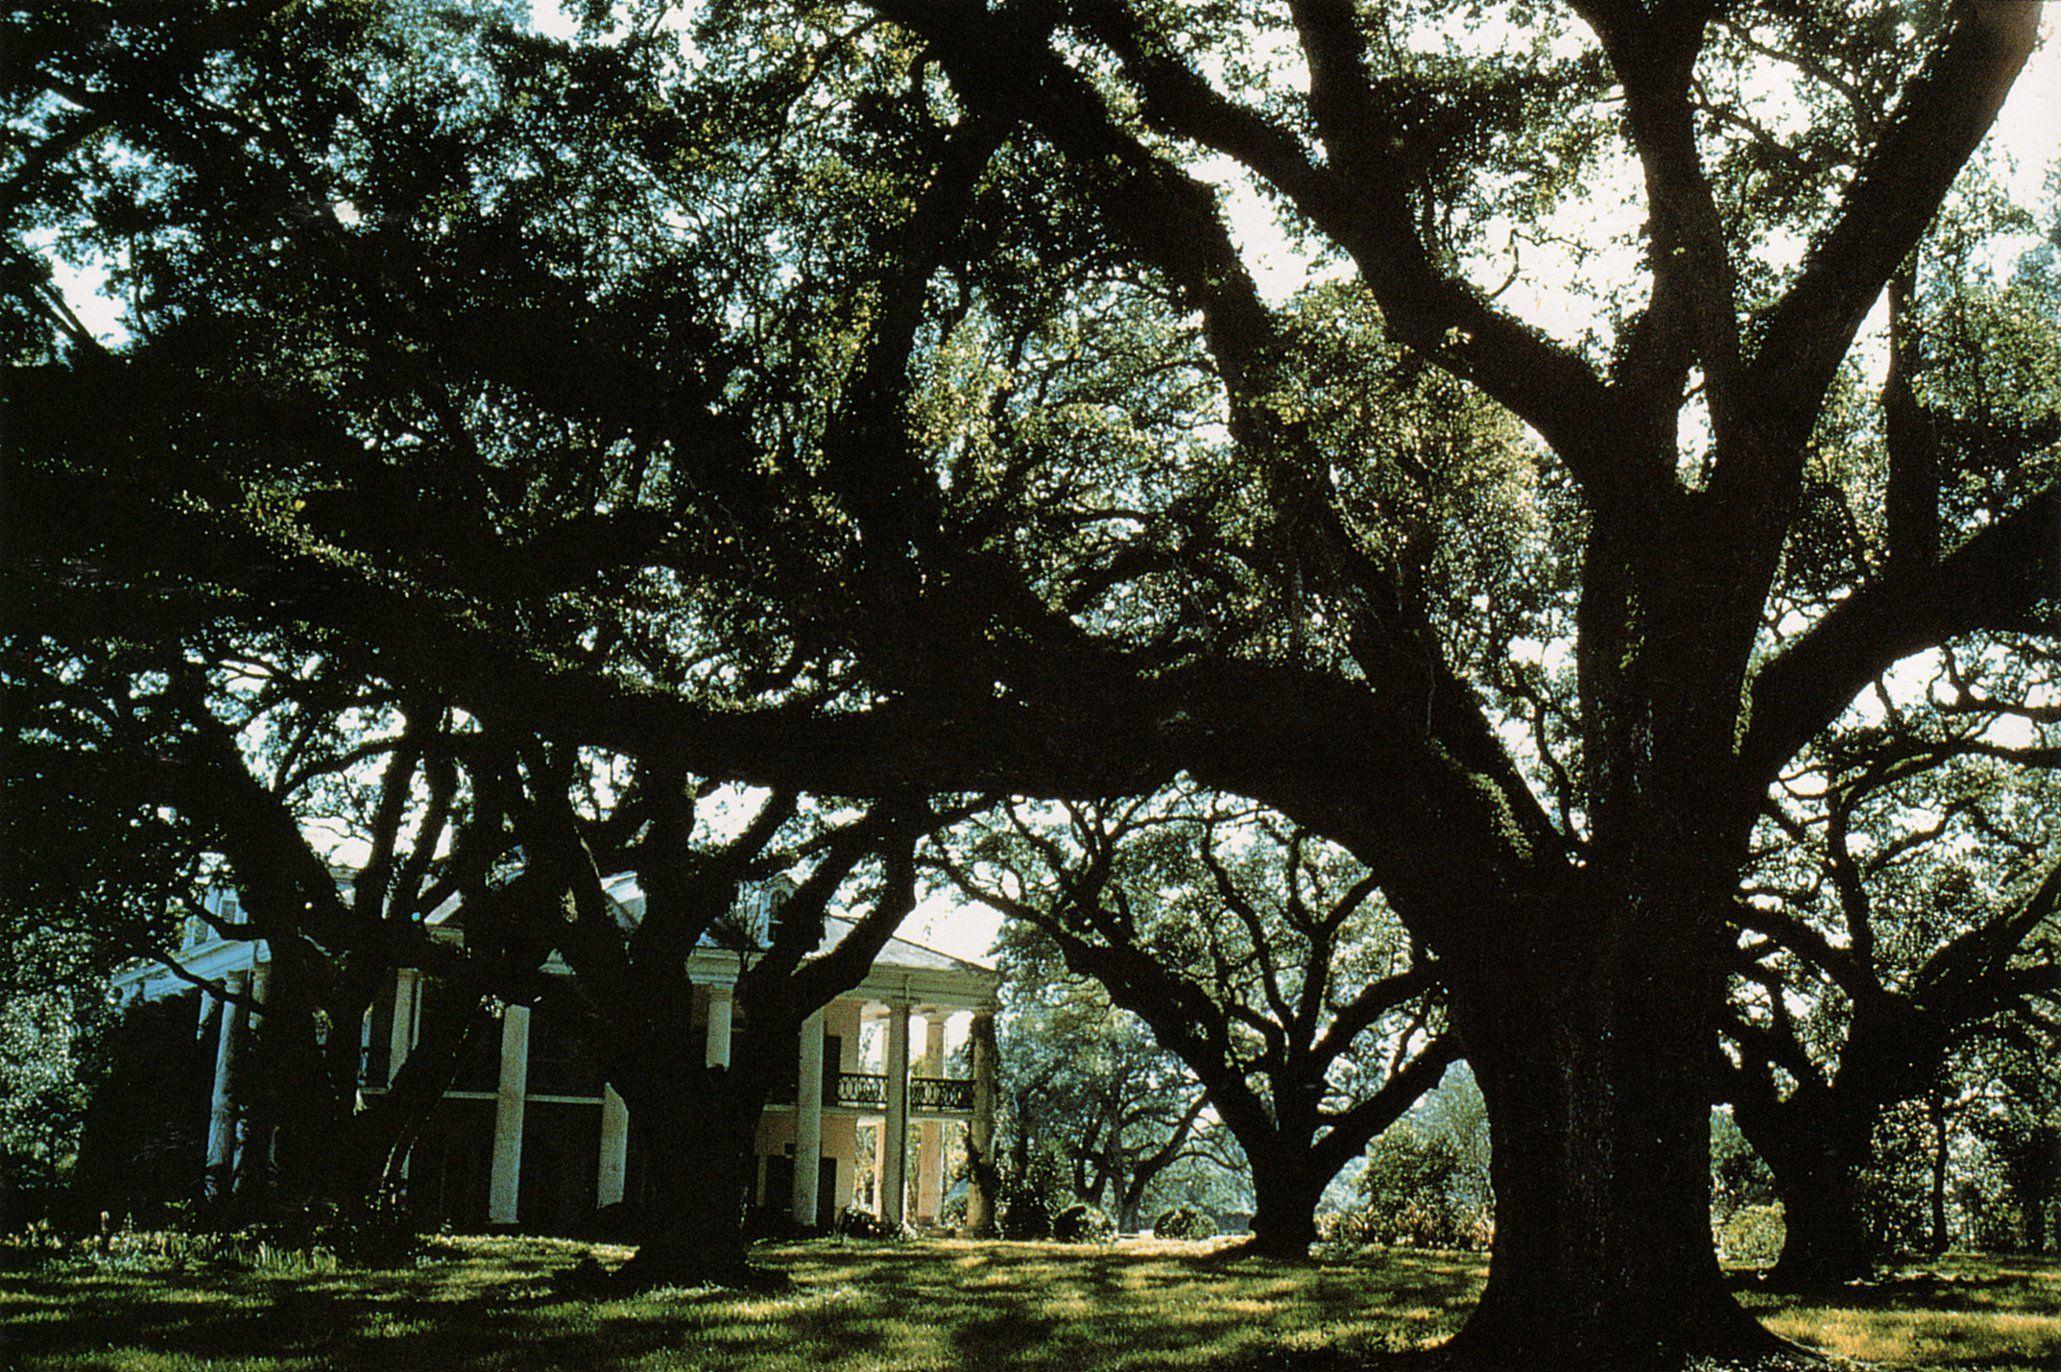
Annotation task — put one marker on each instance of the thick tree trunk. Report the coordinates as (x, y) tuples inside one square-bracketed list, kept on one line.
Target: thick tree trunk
[(1816, 1147), (700, 1126), (1826, 1243), (1285, 1189), (1817, 1163), (1597, 1089), (1936, 1113)]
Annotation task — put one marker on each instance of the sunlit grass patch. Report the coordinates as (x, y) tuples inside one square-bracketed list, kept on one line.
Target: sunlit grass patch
[(492, 1303), (1958, 1311)]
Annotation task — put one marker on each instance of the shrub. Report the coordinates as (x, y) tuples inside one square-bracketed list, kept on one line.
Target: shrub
[(1083, 1223), (1753, 1234), (374, 1233), (1032, 1197), (857, 1222), (144, 1130), (1182, 1222), (1411, 1196), (310, 1238), (1025, 1215)]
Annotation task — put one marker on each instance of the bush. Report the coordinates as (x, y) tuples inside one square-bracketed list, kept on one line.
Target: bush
[(1753, 1234), (1031, 1198), (1411, 1196), (1083, 1223), (310, 1238), (144, 1130), (1182, 1222), (376, 1233), (857, 1222), (1025, 1215)]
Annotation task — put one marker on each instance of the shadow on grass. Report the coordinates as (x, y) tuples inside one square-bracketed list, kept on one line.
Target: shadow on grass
[(1039, 1307)]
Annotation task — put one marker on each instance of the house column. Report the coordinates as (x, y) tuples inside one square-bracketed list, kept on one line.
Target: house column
[(503, 1187), (253, 1156), (221, 1160), (615, 1148), (719, 1026), (894, 1136), (808, 1119), (402, 1039), (930, 1134), (980, 1130)]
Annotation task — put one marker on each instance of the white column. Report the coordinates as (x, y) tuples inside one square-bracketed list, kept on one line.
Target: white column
[(615, 1148), (719, 1026), (894, 1139), (506, 1178), (980, 1130), (808, 1118), (221, 1164), (260, 993), (930, 1134), (402, 1038)]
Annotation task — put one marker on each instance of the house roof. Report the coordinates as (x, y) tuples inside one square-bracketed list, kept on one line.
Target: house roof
[(898, 952)]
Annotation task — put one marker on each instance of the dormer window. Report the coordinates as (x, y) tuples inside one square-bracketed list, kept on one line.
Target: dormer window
[(222, 908), (759, 915)]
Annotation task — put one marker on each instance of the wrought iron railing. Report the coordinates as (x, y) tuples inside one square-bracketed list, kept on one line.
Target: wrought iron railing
[(868, 1090), (940, 1093), (862, 1088)]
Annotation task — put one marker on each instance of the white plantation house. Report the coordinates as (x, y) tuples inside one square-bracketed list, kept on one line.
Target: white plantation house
[(529, 1135)]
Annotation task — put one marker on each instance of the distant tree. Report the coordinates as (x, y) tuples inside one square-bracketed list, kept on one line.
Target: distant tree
[(1260, 957), (1908, 909), (1087, 1085), (1454, 1111), (2019, 1123), (1738, 1177)]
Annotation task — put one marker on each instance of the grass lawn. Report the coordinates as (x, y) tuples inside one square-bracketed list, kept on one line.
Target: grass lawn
[(498, 1303)]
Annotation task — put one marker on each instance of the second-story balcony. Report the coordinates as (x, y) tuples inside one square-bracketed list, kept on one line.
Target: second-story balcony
[(927, 1095)]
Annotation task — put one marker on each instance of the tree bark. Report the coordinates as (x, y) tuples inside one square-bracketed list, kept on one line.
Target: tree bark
[(1815, 1148), (1936, 1115), (1826, 1243), (1598, 1100), (1285, 1194), (699, 1126)]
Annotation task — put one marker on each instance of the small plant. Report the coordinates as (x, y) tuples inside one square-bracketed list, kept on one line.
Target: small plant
[(1183, 1222), (857, 1222), (1083, 1223)]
